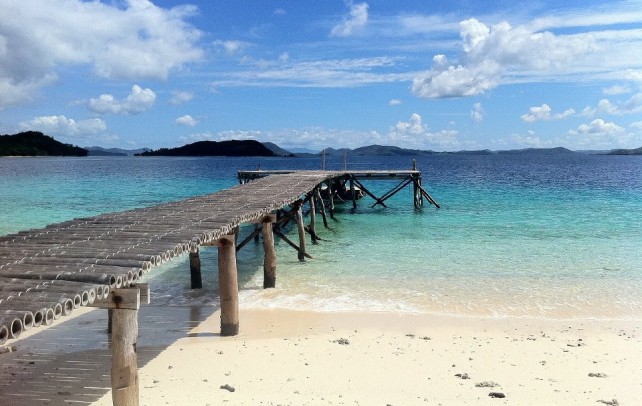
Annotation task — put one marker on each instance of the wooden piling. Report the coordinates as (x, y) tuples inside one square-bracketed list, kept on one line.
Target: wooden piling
[(269, 259), (301, 229), (313, 220), (352, 193), (322, 206), (124, 304), (331, 199), (195, 269), (228, 286)]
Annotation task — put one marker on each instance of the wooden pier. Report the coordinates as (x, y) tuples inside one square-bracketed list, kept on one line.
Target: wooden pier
[(99, 261)]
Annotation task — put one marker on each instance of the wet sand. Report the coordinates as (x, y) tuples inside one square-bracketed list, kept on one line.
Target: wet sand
[(306, 358)]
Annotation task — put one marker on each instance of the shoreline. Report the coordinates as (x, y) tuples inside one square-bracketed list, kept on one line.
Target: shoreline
[(309, 358)]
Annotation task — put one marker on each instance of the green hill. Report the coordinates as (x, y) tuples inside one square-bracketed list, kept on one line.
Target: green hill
[(213, 148), (636, 151), (33, 143)]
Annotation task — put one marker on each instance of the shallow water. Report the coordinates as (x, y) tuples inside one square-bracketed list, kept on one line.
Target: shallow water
[(532, 236)]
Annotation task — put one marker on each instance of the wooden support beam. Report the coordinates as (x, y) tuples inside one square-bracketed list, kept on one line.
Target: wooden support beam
[(331, 198), (416, 192), (313, 220), (289, 242), (352, 193), (195, 269), (301, 229), (428, 197), (228, 286), (269, 259), (322, 207), (254, 235), (369, 193)]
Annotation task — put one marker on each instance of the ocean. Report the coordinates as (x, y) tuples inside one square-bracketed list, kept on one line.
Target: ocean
[(535, 236)]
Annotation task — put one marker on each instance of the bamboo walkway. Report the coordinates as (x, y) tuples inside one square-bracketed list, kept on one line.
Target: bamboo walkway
[(46, 273), (98, 261)]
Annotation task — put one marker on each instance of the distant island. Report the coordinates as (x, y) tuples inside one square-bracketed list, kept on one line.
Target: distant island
[(100, 151), (33, 143), (213, 148), (636, 151), (383, 150)]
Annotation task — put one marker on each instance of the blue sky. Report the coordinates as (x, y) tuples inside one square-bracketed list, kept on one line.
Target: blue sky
[(440, 75)]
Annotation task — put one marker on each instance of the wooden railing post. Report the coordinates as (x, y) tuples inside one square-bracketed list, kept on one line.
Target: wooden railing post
[(228, 286)]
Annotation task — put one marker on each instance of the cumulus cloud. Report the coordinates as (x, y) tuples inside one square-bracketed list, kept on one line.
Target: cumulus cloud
[(186, 120), (632, 105), (357, 19), (66, 127), (414, 133), (138, 101), (477, 113), (134, 41), (491, 52), (543, 112), (602, 134), (598, 127), (180, 97)]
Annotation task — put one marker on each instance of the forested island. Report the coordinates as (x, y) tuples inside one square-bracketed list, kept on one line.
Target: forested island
[(34, 143), (214, 148)]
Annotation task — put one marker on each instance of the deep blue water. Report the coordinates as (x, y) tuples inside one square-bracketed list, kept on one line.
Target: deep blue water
[(534, 236)]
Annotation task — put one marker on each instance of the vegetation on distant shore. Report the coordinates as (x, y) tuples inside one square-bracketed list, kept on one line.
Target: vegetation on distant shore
[(33, 143), (213, 148), (636, 151)]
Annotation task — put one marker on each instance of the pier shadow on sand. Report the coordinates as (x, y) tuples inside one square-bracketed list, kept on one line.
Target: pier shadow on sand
[(70, 362)]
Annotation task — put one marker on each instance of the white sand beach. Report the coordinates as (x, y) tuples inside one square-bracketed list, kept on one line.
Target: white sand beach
[(305, 358)]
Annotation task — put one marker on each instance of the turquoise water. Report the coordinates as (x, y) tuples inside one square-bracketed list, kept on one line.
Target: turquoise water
[(534, 236)]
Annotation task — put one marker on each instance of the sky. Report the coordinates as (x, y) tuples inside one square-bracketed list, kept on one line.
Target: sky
[(306, 74)]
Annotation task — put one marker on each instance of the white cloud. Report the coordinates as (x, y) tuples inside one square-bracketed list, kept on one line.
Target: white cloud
[(598, 127), (134, 41), (138, 101), (636, 125), (632, 105), (340, 73), (284, 57), (357, 19), (477, 113), (616, 90), (186, 120), (279, 12), (66, 127), (415, 134), (543, 112), (180, 97), (491, 53), (231, 47), (394, 102), (600, 134)]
